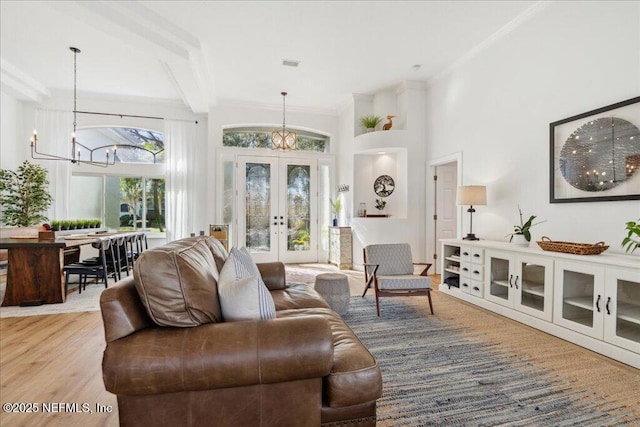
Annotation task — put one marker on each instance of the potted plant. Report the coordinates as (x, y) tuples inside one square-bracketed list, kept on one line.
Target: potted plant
[(336, 207), (632, 241), (370, 122), (24, 196), (521, 235), (380, 204)]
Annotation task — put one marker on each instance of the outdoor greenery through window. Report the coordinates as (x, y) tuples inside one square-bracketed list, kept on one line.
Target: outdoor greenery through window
[(261, 138), (125, 203)]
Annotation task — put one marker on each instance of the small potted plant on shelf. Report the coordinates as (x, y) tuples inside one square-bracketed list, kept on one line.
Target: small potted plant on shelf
[(336, 207), (380, 204), (521, 235), (632, 241), (370, 122)]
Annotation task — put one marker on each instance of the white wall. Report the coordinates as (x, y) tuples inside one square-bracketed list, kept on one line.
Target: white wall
[(11, 154), (570, 58)]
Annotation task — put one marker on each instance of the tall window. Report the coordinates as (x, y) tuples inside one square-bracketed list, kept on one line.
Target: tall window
[(125, 203), (128, 201), (261, 138)]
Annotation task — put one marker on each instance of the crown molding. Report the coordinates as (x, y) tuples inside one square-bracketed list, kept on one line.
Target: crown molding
[(273, 107), (519, 20)]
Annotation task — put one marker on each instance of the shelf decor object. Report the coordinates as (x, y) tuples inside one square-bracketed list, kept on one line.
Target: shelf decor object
[(384, 185), (595, 156), (470, 195), (283, 139), (572, 248)]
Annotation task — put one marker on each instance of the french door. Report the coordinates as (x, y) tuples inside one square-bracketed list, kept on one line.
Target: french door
[(278, 208)]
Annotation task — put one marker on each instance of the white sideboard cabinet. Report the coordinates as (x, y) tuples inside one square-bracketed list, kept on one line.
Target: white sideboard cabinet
[(590, 300)]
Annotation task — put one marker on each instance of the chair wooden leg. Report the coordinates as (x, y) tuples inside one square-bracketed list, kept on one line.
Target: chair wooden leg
[(377, 304), (430, 303), (367, 285)]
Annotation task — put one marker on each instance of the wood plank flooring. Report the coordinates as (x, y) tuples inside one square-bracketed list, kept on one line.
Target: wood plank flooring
[(50, 363)]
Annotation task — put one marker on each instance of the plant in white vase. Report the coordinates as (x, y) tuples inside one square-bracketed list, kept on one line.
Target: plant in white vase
[(521, 235)]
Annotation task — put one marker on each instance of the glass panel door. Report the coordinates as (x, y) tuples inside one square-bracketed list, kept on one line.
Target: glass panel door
[(257, 214), (277, 209), (299, 242)]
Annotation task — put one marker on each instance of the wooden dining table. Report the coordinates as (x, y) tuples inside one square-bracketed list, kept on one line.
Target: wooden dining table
[(35, 267)]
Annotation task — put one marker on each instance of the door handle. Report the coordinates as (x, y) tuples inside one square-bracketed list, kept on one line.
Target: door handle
[(607, 306), (598, 304), (510, 278), (516, 282)]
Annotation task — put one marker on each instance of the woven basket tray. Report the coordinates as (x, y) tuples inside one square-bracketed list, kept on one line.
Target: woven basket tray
[(572, 248)]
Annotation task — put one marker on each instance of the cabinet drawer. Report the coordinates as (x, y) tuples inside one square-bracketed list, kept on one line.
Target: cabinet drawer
[(477, 256), (465, 284), (472, 271), (465, 254), (476, 288)]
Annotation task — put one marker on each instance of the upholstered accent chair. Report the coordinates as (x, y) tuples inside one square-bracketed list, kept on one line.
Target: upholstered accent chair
[(389, 269)]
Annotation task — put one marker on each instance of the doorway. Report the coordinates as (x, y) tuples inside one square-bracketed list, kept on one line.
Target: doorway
[(278, 208), (445, 221)]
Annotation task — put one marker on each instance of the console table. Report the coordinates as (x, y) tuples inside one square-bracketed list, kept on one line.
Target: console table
[(590, 300), (34, 270)]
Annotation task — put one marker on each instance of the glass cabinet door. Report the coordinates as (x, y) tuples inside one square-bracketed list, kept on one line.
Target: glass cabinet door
[(534, 286), (499, 277), (579, 297), (622, 309)]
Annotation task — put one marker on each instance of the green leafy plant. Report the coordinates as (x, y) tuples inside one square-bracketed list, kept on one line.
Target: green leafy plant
[(336, 206), (302, 238), (24, 196), (380, 203), (370, 121), (524, 227), (632, 241)]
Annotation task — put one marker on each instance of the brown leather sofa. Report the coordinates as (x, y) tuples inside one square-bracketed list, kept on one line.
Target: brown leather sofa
[(306, 367)]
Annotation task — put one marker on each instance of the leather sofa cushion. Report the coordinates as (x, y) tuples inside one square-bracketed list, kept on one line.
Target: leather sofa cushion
[(177, 283), (355, 376), (297, 295), (215, 356)]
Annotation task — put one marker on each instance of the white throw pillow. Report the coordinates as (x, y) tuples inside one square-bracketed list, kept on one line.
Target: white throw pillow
[(243, 294)]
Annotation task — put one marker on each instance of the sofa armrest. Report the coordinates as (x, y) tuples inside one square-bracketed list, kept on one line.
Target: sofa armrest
[(273, 274), (218, 355)]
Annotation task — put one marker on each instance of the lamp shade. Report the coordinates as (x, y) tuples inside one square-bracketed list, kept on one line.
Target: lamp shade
[(469, 195)]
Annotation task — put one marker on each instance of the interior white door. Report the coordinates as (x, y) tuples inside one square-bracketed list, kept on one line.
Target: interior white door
[(278, 208), (445, 201)]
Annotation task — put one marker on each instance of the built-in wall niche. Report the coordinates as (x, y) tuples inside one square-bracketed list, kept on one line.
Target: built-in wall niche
[(369, 165)]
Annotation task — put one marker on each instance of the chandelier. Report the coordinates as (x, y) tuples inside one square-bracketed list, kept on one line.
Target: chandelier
[(283, 139), (75, 145)]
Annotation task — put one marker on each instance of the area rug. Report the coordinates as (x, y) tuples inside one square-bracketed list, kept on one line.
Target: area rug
[(436, 374), (88, 300)]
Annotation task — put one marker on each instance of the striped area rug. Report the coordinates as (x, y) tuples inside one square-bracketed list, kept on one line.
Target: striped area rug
[(436, 374)]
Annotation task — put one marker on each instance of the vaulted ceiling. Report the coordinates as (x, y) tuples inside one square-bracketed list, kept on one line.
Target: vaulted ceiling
[(206, 53)]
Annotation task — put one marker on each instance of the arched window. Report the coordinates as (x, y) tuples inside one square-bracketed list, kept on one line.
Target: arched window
[(260, 137), (134, 145)]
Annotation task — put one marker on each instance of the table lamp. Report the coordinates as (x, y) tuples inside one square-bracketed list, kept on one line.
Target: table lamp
[(470, 195)]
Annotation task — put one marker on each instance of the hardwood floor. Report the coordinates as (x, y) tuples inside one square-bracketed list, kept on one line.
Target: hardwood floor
[(53, 364)]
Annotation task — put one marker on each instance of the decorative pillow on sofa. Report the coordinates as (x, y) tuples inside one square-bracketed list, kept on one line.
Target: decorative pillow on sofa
[(243, 295)]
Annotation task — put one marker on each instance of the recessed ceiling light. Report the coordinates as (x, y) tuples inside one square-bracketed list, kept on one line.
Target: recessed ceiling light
[(290, 63)]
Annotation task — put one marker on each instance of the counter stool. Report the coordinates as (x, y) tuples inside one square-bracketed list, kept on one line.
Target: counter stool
[(334, 288)]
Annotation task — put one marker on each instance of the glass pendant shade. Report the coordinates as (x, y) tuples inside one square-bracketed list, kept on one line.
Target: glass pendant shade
[(283, 139)]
